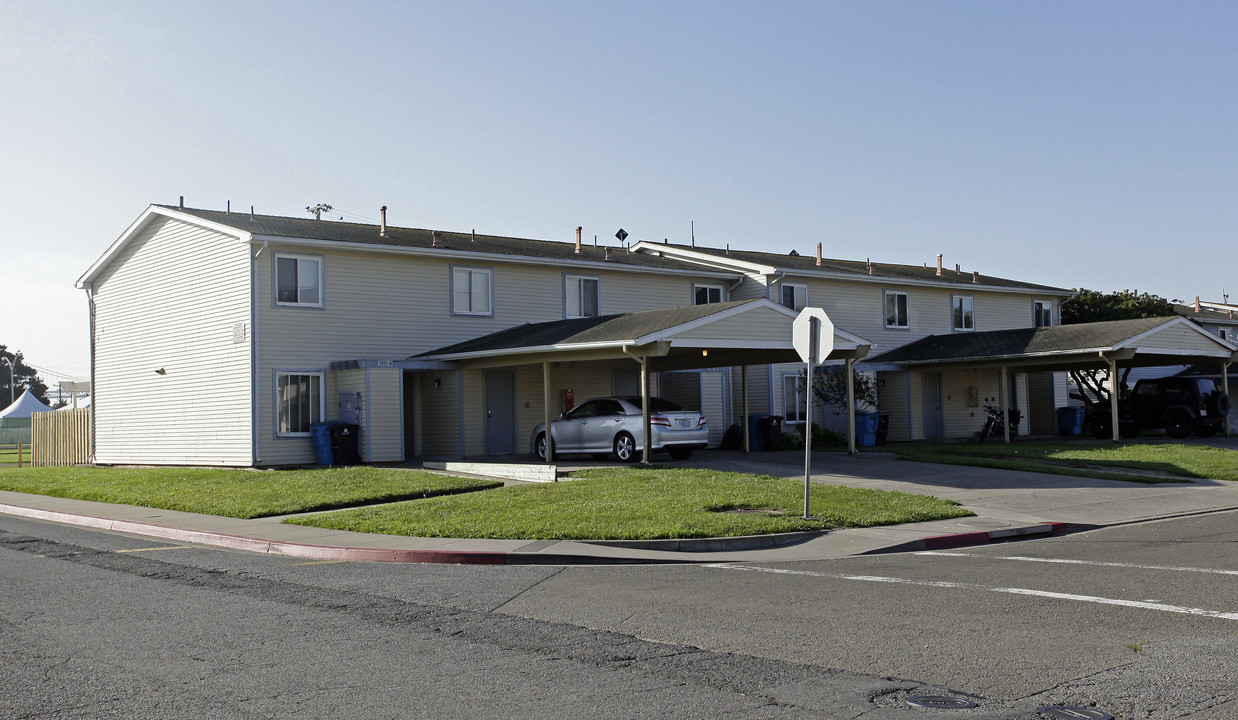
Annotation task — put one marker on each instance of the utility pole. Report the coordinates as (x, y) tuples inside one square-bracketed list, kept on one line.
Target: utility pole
[(318, 210)]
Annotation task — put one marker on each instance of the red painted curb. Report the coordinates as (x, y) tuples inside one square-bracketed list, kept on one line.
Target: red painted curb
[(946, 542), (270, 547)]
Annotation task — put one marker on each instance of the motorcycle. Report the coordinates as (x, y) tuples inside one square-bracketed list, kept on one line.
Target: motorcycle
[(993, 423)]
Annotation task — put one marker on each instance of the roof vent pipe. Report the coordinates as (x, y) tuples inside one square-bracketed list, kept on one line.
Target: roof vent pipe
[(975, 277), (578, 229), (182, 202), (870, 266), (436, 239), (607, 253), (957, 268), (382, 227), (818, 254), (1198, 307), (938, 264)]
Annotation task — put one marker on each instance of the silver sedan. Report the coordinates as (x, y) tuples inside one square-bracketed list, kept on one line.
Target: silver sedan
[(601, 426)]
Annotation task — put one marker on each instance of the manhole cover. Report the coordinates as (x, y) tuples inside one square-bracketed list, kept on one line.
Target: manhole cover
[(940, 702), (1064, 712)]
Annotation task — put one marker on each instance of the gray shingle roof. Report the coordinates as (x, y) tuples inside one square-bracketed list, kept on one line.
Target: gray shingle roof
[(358, 233), (807, 264), (604, 329), (1021, 342)]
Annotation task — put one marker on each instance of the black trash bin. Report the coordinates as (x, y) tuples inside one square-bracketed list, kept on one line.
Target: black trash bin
[(344, 445), (883, 428), (771, 432)]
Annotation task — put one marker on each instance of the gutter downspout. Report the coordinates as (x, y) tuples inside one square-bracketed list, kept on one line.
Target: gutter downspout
[(94, 389), (254, 434)]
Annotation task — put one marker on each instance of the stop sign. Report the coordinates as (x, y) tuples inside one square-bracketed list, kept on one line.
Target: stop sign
[(810, 350)]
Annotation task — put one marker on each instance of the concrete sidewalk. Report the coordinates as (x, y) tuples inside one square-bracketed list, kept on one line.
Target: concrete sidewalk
[(1007, 504)]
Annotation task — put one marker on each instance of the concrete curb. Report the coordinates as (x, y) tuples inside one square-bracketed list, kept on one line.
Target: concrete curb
[(257, 545), (968, 539)]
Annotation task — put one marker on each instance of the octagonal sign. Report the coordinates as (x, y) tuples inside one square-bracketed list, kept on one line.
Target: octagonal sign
[(802, 335)]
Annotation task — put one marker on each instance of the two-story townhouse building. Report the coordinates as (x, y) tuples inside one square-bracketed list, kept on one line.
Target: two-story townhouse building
[(218, 338)]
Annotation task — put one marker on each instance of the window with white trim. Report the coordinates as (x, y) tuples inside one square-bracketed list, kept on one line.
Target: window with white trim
[(794, 295), (298, 281), (793, 399), (706, 294), (963, 313), (1042, 313), (471, 291), (580, 296), (299, 402), (896, 309)]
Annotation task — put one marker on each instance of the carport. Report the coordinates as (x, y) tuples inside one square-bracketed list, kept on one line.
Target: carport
[(1114, 345), (732, 334)]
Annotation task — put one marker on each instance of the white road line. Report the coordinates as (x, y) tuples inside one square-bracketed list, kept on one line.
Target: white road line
[(1141, 604), (1095, 563)]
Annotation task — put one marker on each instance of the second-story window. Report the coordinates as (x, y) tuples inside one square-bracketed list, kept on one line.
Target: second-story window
[(896, 309), (580, 296), (1042, 313), (794, 295), (705, 294), (298, 281), (963, 313), (470, 291)]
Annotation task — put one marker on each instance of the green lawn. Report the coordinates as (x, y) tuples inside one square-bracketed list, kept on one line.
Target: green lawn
[(622, 503), (1154, 462), (235, 493)]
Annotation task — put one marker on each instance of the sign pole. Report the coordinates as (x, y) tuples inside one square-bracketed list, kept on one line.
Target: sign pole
[(814, 330)]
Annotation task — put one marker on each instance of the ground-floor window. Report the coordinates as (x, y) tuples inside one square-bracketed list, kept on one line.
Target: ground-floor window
[(793, 398), (298, 397)]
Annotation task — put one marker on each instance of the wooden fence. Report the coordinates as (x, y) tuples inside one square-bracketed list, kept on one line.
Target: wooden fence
[(61, 437)]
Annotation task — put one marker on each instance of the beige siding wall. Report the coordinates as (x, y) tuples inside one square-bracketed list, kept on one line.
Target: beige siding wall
[(175, 299), (439, 417), (388, 307), (384, 416), (893, 396), (715, 404), (763, 325)]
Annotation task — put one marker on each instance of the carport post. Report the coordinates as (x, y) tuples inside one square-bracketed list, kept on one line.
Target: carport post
[(743, 382), (1002, 392), (646, 425), (1113, 396), (1225, 389), (550, 446), (851, 406)]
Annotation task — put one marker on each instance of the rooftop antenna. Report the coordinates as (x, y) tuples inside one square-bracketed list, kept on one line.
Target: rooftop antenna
[(693, 233), (318, 210)]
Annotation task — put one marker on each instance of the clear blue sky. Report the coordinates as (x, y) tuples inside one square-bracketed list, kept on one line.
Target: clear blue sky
[(1077, 144)]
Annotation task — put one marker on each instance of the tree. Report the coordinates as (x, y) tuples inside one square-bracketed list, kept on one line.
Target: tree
[(830, 387), (21, 378), (1092, 306), (1092, 386)]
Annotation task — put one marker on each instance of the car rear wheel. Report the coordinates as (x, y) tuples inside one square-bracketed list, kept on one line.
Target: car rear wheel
[(1177, 424), (540, 444), (625, 447)]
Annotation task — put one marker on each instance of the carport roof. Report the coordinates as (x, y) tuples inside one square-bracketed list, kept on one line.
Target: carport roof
[(1143, 341), (653, 333)]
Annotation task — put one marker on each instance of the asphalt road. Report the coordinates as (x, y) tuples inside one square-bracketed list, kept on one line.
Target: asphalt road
[(1139, 621)]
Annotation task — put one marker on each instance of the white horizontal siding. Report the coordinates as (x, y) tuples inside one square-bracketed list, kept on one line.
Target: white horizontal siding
[(176, 298)]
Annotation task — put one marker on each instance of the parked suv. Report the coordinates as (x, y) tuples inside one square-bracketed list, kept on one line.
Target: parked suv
[(1180, 405)]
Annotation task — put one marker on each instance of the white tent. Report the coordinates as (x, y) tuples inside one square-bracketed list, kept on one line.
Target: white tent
[(15, 419), (24, 407)]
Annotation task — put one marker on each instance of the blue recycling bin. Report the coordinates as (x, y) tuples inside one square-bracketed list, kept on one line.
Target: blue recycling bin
[(866, 424), (1069, 421), (320, 436), (754, 433)]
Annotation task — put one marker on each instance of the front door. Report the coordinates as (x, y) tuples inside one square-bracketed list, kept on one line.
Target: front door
[(500, 401), (930, 385)]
